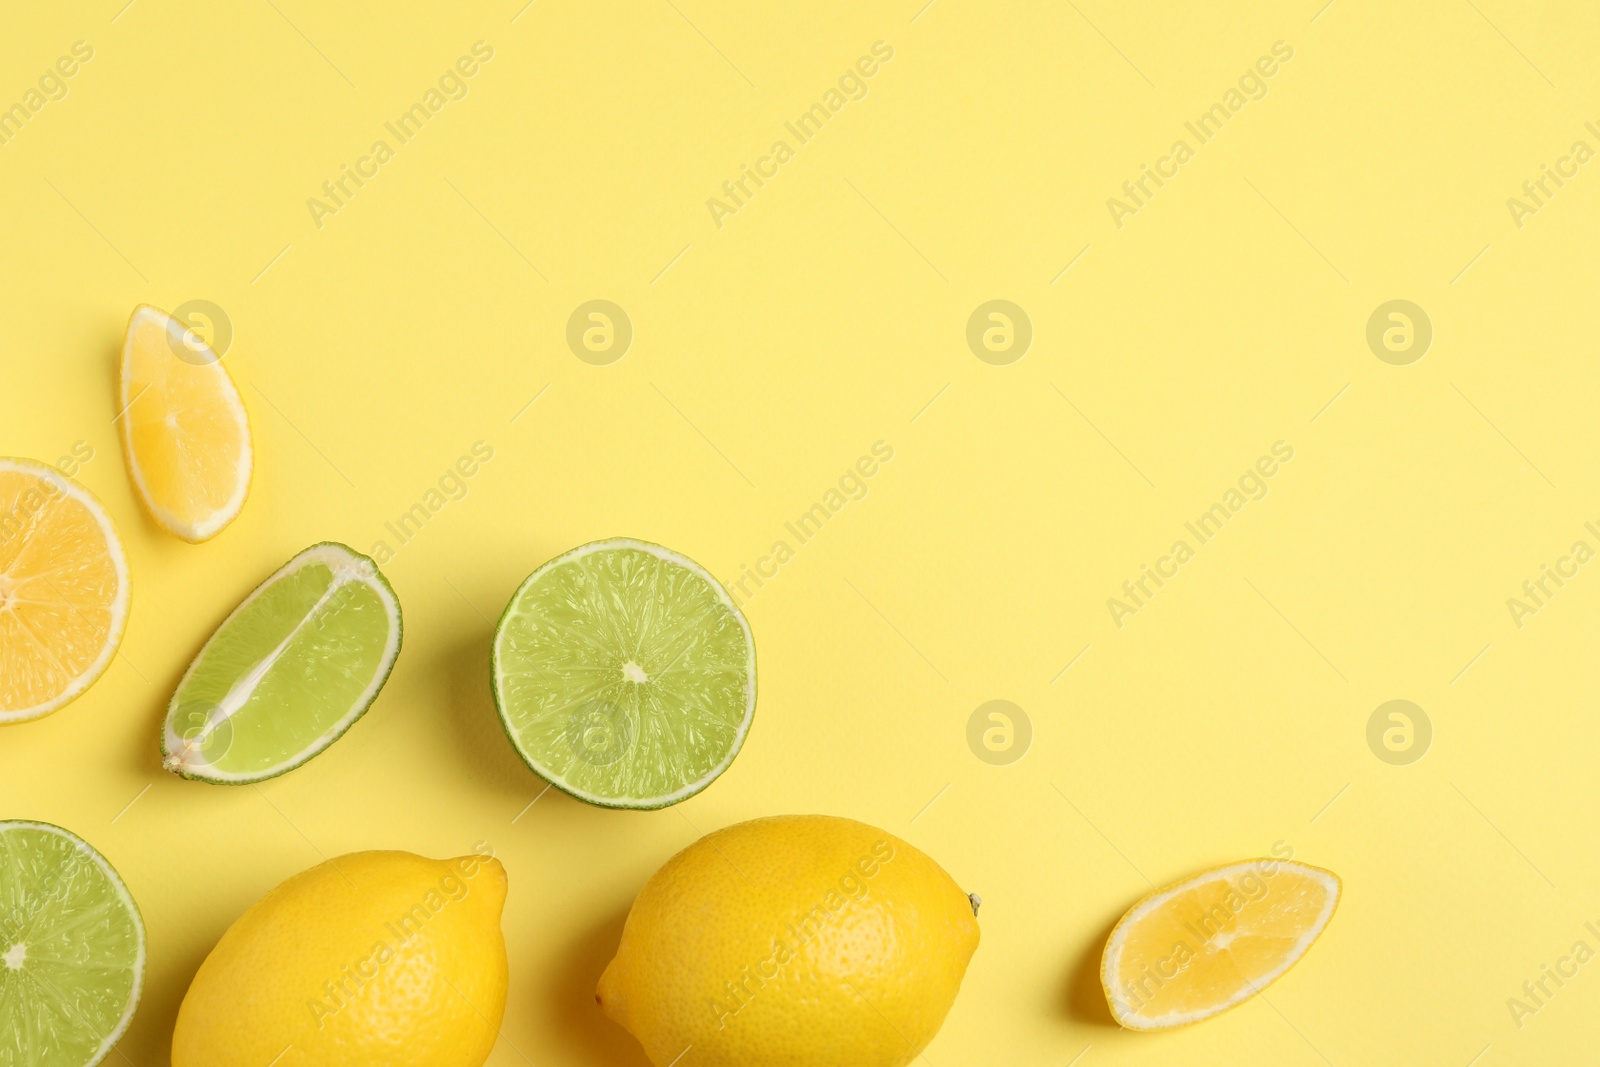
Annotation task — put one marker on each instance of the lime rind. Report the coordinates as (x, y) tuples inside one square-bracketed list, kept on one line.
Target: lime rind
[(633, 722), (190, 755), (136, 921)]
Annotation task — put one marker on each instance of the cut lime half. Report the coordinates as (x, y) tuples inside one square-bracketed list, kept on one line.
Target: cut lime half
[(287, 673), (72, 950), (624, 674)]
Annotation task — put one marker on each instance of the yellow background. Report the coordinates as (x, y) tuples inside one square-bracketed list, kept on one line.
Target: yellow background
[(772, 352)]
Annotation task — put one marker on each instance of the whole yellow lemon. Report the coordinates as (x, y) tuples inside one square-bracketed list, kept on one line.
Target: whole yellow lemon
[(381, 958), (795, 941)]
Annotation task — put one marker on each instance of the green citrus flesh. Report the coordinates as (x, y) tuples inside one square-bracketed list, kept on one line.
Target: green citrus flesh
[(72, 950), (624, 674), (288, 671)]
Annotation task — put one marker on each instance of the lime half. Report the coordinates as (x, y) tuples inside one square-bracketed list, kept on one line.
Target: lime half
[(624, 675), (71, 950), (287, 673)]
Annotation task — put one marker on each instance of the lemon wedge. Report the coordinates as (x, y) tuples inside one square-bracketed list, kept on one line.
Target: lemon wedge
[(1202, 946), (184, 429)]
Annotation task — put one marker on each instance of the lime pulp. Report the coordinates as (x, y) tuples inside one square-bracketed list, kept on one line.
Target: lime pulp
[(624, 674)]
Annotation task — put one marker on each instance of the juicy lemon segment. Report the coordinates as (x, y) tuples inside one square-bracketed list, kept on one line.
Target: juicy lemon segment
[(63, 590), (184, 428), (1199, 947)]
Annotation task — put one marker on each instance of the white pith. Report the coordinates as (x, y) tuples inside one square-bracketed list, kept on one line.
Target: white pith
[(183, 756), (214, 523), (118, 607)]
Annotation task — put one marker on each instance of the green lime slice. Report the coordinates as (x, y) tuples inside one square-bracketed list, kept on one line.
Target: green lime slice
[(71, 950), (624, 675), (287, 673)]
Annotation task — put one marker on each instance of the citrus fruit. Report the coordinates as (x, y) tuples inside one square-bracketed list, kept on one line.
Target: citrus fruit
[(624, 674), (371, 958), (287, 673), (797, 940), (184, 429), (1191, 950), (72, 950), (63, 590)]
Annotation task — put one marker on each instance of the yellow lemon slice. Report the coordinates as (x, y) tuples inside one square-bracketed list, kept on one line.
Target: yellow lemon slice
[(1197, 948), (184, 428), (63, 590)]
